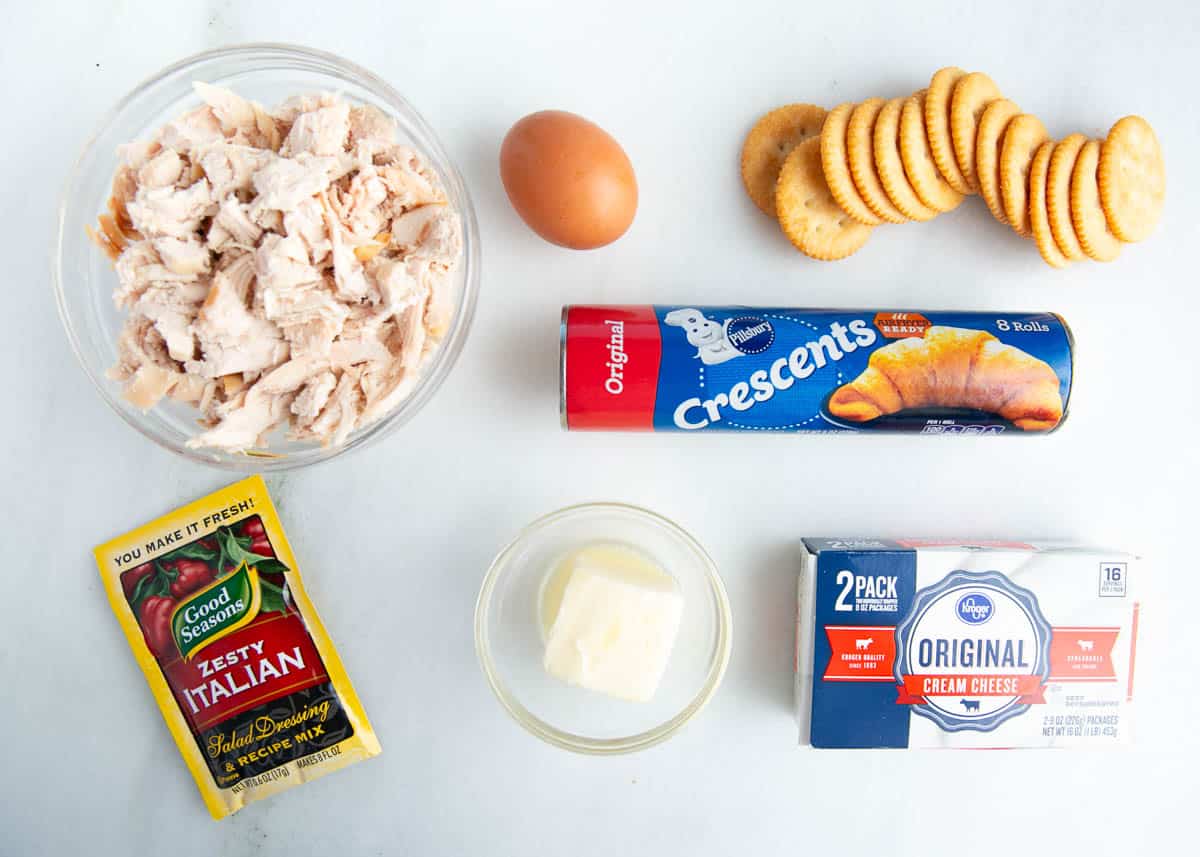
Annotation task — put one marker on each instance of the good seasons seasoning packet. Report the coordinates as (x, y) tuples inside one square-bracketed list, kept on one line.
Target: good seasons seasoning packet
[(248, 681)]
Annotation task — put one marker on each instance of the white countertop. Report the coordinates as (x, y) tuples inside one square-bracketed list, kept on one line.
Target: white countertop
[(394, 541)]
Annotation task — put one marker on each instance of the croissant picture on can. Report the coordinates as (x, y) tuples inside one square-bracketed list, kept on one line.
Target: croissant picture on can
[(954, 367)]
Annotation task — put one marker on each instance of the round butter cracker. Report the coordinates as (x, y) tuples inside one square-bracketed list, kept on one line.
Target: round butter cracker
[(1058, 195), (1022, 139), (915, 154), (890, 167), (768, 144), (808, 214), (992, 125), (1133, 179), (1039, 215), (937, 126), (835, 162), (972, 94), (860, 148), (1091, 226)]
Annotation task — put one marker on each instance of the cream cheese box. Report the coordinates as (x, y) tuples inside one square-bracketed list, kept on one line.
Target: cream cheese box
[(921, 643)]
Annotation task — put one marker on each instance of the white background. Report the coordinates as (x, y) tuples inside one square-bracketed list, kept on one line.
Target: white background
[(394, 541)]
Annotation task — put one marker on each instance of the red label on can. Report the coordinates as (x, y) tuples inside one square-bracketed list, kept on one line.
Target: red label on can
[(611, 357)]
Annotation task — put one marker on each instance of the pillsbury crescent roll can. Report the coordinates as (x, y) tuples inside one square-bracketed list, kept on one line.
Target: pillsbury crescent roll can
[(731, 368)]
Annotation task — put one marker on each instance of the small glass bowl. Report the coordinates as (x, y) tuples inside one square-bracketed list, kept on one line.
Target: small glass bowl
[(508, 632), (83, 275)]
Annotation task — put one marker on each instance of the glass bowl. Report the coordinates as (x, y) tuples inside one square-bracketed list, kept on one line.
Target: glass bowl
[(84, 278), (509, 639)]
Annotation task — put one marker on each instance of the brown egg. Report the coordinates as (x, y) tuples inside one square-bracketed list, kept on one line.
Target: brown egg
[(569, 180)]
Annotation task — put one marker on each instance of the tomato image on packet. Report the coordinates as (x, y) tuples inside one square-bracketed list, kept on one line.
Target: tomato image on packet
[(211, 601)]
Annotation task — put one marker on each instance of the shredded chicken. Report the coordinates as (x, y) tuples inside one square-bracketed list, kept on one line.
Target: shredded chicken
[(285, 268)]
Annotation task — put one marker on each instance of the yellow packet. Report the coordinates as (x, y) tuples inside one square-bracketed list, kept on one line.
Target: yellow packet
[(251, 687)]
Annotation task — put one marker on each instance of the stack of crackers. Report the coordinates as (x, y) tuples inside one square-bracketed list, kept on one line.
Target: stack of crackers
[(830, 177)]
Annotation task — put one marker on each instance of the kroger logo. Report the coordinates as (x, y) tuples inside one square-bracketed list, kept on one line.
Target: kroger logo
[(750, 334), (974, 609)]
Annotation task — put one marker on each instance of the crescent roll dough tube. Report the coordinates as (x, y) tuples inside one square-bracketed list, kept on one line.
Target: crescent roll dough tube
[(764, 369)]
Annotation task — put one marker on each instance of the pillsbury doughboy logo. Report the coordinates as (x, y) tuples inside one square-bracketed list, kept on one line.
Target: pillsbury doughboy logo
[(717, 342), (710, 338), (974, 608), (972, 652)]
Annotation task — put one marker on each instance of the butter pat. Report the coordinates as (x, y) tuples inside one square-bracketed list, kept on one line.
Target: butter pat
[(615, 622)]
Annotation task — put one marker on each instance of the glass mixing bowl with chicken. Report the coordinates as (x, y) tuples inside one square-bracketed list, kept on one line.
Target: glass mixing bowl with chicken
[(279, 267)]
